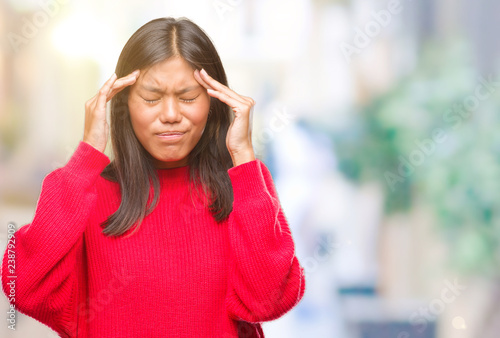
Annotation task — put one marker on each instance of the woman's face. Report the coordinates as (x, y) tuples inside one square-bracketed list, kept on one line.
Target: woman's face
[(168, 110)]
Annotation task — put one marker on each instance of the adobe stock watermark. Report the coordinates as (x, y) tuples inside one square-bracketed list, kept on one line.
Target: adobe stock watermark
[(97, 304), (278, 122), (421, 317), (364, 36), (455, 116), (224, 6), (10, 291), (32, 26)]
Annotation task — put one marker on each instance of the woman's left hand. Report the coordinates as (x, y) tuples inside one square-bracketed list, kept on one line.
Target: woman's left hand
[(239, 135)]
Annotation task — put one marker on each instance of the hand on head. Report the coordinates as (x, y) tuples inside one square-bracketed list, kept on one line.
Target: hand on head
[(96, 127)]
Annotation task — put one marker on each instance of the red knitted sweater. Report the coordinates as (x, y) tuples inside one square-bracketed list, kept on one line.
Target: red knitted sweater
[(180, 274)]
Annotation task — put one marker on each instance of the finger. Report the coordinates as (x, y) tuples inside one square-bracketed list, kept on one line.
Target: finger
[(211, 81), (101, 99), (214, 84), (211, 90), (117, 89), (198, 78), (126, 80), (217, 86), (122, 83), (230, 101), (246, 100), (249, 100)]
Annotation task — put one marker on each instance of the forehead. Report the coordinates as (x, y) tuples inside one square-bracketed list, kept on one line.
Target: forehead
[(168, 74)]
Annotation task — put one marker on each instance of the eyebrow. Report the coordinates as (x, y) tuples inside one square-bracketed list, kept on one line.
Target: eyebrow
[(161, 91)]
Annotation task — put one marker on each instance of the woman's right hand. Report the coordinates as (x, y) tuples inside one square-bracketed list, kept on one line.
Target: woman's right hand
[(96, 127)]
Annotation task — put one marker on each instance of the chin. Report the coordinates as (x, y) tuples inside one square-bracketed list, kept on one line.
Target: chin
[(168, 159)]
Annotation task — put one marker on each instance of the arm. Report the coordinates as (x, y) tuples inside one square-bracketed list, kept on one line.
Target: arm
[(266, 279), (49, 250)]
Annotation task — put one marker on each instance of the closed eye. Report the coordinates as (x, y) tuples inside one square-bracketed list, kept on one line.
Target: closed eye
[(150, 101), (183, 100), (189, 100)]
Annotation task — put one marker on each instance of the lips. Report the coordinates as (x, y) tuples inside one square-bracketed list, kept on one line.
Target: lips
[(168, 133), (170, 136)]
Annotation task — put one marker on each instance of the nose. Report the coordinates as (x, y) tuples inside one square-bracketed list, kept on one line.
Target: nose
[(170, 111)]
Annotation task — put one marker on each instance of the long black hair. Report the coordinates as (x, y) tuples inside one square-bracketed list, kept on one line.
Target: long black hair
[(132, 166)]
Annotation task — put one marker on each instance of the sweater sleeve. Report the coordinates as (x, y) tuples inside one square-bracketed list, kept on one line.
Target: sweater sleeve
[(44, 263), (266, 279)]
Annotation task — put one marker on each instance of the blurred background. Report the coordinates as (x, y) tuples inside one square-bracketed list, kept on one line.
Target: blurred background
[(377, 119)]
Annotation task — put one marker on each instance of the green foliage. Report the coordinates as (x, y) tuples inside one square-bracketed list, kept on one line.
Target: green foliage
[(457, 174)]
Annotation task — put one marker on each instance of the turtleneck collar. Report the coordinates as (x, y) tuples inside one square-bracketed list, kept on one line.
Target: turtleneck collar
[(174, 174)]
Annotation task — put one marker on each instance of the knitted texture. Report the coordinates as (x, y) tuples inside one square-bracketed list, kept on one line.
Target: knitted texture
[(181, 274)]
